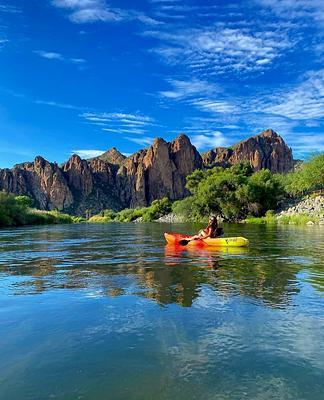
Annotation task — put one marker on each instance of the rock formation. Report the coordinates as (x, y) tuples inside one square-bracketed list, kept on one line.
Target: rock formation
[(42, 181), (114, 181), (266, 150), (159, 171), (112, 156)]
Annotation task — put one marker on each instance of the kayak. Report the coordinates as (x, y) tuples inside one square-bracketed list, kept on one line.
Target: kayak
[(174, 238)]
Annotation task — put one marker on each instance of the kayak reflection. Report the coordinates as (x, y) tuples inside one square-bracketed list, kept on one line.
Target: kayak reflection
[(207, 256)]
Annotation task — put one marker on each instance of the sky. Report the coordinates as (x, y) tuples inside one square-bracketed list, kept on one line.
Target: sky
[(82, 76)]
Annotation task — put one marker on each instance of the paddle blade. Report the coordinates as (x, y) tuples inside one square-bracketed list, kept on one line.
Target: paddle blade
[(184, 242)]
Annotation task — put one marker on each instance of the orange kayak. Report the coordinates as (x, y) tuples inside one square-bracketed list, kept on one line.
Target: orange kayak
[(174, 238)]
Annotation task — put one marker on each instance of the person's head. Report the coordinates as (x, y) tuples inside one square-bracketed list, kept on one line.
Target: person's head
[(212, 222)]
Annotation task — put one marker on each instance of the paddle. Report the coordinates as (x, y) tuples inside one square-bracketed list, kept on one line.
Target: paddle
[(184, 242)]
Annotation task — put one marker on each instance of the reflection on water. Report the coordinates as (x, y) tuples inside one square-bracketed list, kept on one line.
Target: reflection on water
[(109, 301), (116, 259)]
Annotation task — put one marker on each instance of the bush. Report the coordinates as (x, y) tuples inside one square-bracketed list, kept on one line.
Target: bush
[(157, 209), (300, 219), (231, 193), (12, 212), (308, 176), (40, 217), (16, 211)]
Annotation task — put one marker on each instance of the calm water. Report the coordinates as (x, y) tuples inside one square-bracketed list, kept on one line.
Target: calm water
[(109, 312)]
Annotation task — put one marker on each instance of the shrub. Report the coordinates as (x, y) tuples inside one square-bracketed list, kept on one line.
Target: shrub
[(307, 177), (16, 211)]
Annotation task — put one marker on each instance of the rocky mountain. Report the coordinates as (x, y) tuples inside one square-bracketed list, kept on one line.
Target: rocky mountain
[(112, 156), (115, 181), (266, 150)]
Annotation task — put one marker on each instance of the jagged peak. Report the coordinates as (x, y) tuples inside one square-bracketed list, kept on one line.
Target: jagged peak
[(183, 138), (158, 140), (268, 133), (39, 159), (112, 156), (75, 157)]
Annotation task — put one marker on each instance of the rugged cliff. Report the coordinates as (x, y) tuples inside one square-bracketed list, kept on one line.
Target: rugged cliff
[(158, 171), (114, 181), (266, 150)]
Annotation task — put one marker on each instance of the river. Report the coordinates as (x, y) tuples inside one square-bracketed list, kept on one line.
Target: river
[(91, 311)]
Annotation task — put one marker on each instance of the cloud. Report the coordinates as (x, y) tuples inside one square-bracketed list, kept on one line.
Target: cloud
[(87, 153), (51, 55), (6, 8), (89, 11), (215, 50), (191, 92), (143, 141), (216, 139), (120, 123), (3, 42), (304, 100), (59, 105), (137, 119), (181, 89), (305, 144), (296, 9), (214, 106)]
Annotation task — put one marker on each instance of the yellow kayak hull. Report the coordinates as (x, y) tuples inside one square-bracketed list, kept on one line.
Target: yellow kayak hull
[(174, 238)]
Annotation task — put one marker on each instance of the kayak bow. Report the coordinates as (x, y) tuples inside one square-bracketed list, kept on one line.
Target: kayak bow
[(174, 238)]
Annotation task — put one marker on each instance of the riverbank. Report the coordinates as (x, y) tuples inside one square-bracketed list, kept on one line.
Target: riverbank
[(18, 211), (306, 211)]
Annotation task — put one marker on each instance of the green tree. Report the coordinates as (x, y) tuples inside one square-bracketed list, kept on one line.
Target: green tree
[(308, 176)]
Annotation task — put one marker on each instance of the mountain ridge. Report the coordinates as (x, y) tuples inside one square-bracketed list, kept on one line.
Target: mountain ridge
[(115, 181)]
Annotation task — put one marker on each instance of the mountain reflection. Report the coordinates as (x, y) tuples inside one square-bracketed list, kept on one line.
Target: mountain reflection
[(98, 261)]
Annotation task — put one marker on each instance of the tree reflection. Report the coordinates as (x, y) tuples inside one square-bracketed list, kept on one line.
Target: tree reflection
[(166, 275)]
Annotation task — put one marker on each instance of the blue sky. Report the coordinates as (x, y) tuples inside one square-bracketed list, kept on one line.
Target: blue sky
[(85, 75)]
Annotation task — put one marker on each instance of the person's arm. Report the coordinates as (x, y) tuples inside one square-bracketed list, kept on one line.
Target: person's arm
[(206, 233)]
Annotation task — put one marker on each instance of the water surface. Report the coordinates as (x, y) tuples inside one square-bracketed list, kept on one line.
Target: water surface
[(111, 312)]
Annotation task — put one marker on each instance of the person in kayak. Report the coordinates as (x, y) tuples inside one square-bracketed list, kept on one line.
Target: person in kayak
[(211, 231)]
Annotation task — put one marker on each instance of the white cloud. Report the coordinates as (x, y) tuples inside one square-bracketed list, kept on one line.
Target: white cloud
[(88, 11), (87, 153), (296, 9), (3, 42), (215, 106), (120, 123), (6, 8), (121, 117), (51, 55), (59, 105), (183, 89), (302, 101), (306, 143), (218, 50), (216, 139), (143, 141)]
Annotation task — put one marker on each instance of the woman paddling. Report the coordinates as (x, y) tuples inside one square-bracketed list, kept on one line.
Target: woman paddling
[(211, 231)]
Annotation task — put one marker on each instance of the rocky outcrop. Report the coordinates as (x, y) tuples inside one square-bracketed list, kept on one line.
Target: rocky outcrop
[(309, 205), (41, 180), (114, 181), (159, 171), (112, 156), (266, 150)]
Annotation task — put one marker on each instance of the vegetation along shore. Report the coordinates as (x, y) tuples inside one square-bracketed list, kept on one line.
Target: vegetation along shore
[(235, 194)]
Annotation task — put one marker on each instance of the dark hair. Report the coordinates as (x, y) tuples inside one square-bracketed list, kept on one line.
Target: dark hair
[(212, 222)]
